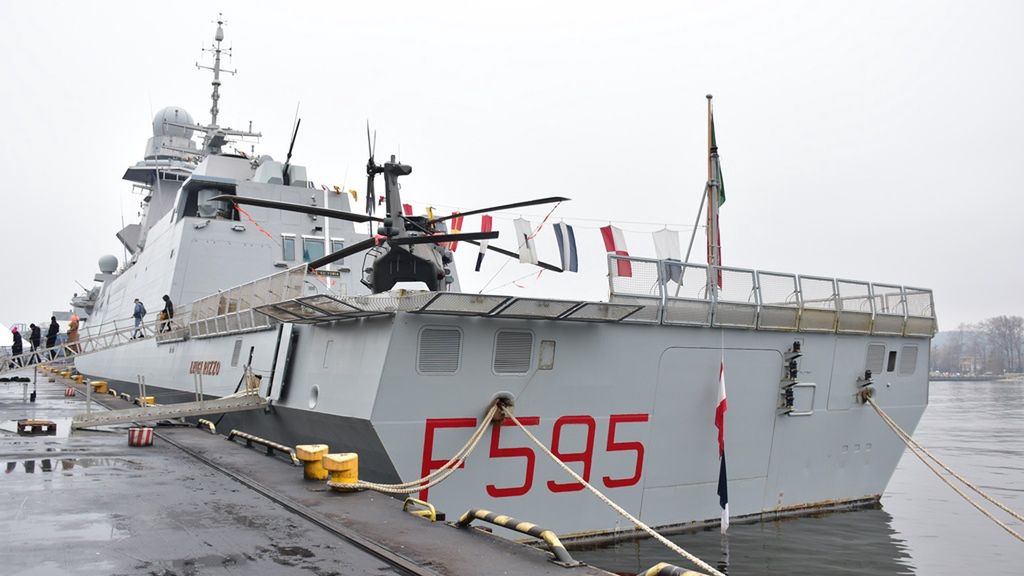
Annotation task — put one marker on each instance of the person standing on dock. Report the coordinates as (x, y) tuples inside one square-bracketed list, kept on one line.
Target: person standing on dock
[(168, 314), (51, 336), (139, 313), (34, 338)]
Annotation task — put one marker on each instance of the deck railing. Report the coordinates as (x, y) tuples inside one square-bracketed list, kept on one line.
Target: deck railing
[(232, 310), (676, 293)]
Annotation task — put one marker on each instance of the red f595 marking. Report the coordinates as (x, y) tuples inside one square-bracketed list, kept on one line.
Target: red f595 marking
[(613, 443)]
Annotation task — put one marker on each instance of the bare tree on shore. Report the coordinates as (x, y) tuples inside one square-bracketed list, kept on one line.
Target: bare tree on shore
[(995, 345)]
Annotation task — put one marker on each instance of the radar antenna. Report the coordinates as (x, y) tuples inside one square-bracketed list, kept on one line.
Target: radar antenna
[(216, 136), (216, 50)]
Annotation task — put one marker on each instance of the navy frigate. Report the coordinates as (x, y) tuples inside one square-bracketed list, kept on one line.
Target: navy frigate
[(282, 280)]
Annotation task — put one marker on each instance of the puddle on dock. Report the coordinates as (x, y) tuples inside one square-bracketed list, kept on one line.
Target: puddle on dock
[(67, 466)]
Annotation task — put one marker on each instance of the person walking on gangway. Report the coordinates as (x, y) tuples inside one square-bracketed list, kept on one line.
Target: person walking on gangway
[(15, 347), (34, 338), (139, 313), (168, 313), (51, 336)]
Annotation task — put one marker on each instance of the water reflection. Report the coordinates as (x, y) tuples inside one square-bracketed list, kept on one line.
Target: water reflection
[(838, 543), (924, 528)]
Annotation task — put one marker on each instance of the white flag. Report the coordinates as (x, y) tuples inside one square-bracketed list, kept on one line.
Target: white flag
[(524, 238), (666, 247)]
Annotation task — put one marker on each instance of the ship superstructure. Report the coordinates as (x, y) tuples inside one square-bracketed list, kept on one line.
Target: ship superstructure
[(271, 275)]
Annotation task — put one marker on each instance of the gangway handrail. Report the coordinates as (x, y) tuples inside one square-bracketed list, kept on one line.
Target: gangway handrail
[(84, 345)]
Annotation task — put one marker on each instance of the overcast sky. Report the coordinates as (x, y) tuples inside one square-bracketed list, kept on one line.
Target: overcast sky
[(867, 140)]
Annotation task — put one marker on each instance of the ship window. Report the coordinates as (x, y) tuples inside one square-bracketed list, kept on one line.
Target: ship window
[(892, 361), (440, 350), (513, 352), (288, 248), (876, 356), (338, 244), (908, 360), (312, 249)]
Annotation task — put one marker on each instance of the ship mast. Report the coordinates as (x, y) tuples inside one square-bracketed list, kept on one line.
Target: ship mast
[(216, 136), (217, 51)]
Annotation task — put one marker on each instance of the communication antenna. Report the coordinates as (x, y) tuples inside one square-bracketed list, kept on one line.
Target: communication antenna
[(217, 51)]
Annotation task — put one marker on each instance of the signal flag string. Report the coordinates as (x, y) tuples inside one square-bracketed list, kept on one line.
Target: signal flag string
[(521, 243)]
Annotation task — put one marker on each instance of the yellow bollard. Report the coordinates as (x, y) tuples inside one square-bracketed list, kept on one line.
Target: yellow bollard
[(312, 456), (344, 469), (79, 378), (146, 400), (99, 386), (65, 374)]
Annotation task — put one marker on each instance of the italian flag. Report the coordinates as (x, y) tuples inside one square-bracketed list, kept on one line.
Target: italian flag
[(723, 486)]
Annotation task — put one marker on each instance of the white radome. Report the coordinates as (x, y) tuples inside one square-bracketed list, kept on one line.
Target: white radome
[(172, 114), (108, 264)]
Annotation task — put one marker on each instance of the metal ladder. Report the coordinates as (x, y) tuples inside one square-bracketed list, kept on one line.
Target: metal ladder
[(248, 399), (234, 403)]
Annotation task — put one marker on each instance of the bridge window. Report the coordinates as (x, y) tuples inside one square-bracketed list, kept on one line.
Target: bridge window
[(338, 244), (312, 249), (287, 248)]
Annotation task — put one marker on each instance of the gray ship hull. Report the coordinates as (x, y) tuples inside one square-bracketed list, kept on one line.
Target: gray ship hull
[(630, 407)]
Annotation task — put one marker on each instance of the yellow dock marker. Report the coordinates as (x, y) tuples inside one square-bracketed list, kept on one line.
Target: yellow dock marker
[(312, 456), (99, 386)]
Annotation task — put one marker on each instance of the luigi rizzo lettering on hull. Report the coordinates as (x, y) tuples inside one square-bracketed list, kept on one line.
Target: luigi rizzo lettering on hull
[(204, 367)]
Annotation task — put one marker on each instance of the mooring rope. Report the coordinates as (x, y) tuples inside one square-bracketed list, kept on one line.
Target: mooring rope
[(921, 452), (636, 522), (437, 476)]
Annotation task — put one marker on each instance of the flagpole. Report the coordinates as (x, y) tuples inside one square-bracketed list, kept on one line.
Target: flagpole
[(712, 193)]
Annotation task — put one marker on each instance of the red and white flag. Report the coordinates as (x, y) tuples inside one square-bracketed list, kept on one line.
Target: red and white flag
[(723, 485), (615, 243), (456, 228), (486, 225)]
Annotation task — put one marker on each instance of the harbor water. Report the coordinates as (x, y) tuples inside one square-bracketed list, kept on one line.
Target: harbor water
[(922, 527)]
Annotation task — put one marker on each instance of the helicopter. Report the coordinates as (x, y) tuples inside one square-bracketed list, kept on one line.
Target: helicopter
[(408, 248)]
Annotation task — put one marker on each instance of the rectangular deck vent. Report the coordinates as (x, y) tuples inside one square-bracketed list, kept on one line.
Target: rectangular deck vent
[(908, 360), (440, 350), (513, 352), (876, 357), (236, 352)]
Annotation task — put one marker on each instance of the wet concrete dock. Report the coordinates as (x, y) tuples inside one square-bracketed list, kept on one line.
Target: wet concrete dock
[(194, 503)]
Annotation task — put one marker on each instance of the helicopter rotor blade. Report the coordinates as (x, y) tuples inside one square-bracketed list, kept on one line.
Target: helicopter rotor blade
[(502, 207), (438, 238), (290, 207), (369, 148), (346, 251), (512, 254)]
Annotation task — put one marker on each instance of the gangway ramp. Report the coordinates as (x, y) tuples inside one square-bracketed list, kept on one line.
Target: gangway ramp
[(234, 403), (95, 339)]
